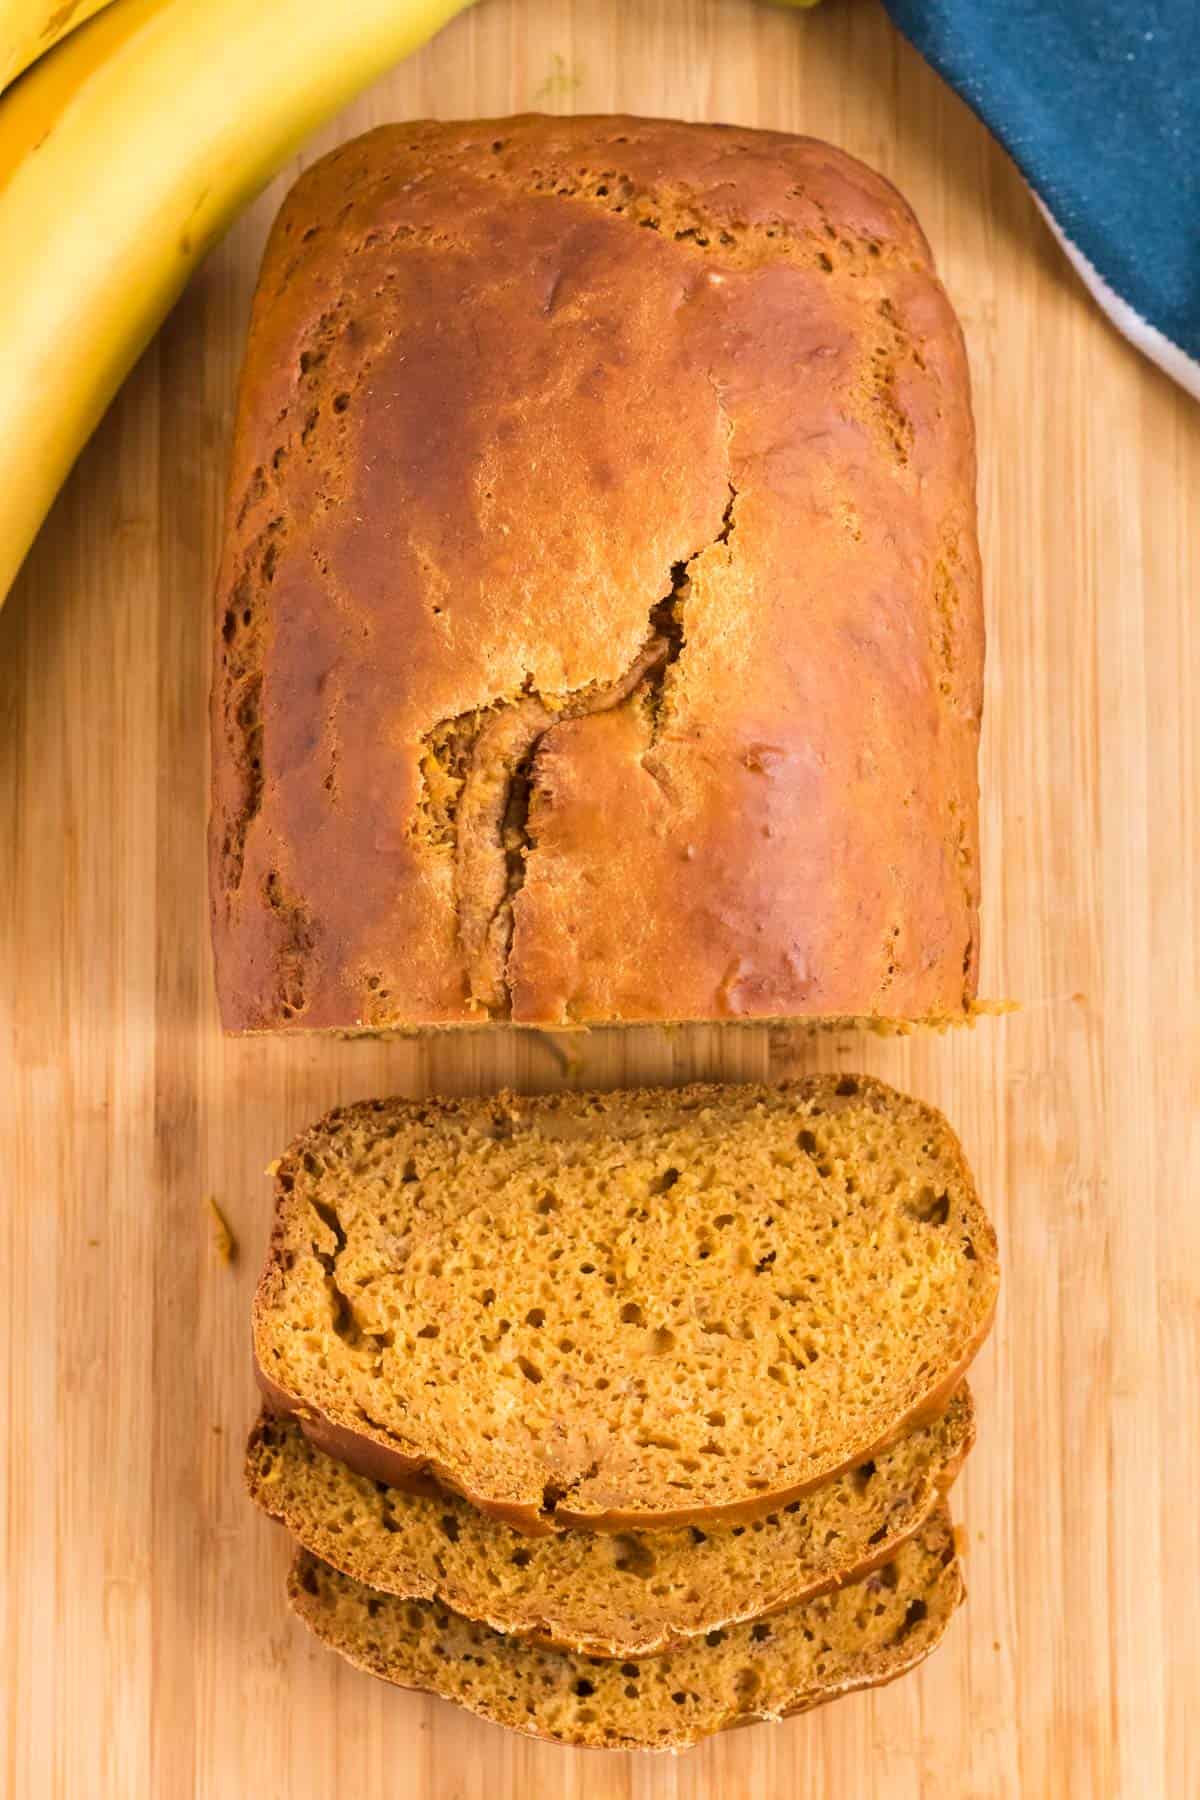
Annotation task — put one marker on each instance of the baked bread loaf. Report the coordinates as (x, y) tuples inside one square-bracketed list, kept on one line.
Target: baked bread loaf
[(624, 1310), (861, 1636), (613, 1595), (599, 618)]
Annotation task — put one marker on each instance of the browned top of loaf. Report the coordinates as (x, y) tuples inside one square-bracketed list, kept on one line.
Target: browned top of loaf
[(599, 614)]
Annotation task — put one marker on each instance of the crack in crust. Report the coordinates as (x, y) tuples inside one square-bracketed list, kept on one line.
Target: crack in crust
[(479, 773), (297, 942), (243, 635), (493, 814)]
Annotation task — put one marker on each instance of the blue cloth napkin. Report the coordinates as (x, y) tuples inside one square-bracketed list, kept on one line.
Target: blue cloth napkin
[(1098, 103)]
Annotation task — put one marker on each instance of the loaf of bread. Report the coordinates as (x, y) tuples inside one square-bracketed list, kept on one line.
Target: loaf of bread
[(599, 620), (605, 1594), (629, 1310), (861, 1636)]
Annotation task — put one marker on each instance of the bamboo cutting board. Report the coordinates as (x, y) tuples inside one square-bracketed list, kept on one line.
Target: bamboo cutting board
[(148, 1651)]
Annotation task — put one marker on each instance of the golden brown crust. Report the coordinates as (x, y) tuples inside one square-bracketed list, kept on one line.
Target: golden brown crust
[(370, 1451), (495, 439)]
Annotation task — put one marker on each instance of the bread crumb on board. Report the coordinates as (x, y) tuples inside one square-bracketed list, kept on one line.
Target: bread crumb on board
[(226, 1243)]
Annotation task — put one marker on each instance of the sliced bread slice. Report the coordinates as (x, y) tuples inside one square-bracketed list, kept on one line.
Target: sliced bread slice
[(860, 1636), (624, 1310), (605, 1594)]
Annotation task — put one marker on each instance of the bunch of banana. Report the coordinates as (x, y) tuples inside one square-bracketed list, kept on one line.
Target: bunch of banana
[(124, 152)]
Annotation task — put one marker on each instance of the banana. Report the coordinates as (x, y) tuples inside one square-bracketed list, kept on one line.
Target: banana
[(28, 28), (124, 153)]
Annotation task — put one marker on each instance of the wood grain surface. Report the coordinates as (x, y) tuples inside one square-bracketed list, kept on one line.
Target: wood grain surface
[(148, 1651)]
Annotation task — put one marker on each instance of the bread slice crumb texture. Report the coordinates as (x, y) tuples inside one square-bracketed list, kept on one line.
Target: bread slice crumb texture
[(628, 1309), (861, 1636), (606, 1594)]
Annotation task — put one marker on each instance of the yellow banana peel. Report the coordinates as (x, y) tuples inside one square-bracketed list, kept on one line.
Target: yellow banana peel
[(124, 153), (28, 28)]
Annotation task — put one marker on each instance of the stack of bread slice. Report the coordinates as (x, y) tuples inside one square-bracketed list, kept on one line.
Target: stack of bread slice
[(624, 1418)]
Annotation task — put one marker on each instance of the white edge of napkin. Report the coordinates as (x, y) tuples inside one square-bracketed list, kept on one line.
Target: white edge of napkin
[(1145, 337)]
